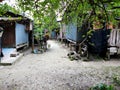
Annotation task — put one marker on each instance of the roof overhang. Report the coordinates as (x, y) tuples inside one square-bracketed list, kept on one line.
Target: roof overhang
[(9, 19)]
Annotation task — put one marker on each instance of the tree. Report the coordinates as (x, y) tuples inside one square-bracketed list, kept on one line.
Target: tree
[(5, 7), (46, 11), (43, 12)]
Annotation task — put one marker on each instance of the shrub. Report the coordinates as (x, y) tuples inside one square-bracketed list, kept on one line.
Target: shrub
[(103, 87), (116, 80)]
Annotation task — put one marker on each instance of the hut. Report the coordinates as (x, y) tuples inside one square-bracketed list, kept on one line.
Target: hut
[(77, 36), (17, 31), (73, 33)]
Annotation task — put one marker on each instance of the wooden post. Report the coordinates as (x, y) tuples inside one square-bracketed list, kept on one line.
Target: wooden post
[(32, 37), (76, 47)]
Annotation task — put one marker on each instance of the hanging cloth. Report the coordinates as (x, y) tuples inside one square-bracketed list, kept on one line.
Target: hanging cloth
[(114, 39)]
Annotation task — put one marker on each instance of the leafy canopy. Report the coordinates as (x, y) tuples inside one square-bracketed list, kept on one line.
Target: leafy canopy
[(45, 12), (5, 7)]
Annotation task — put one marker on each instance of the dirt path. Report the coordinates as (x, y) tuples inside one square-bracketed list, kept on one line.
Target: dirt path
[(52, 70)]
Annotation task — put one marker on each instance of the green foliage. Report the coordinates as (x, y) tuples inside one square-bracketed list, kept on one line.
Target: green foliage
[(116, 80), (89, 33), (103, 87), (43, 12), (5, 7), (46, 11)]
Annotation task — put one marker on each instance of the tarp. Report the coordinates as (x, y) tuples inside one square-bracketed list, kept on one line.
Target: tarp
[(98, 41)]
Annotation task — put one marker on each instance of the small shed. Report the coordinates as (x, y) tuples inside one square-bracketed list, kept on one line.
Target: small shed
[(74, 33), (75, 29), (17, 29)]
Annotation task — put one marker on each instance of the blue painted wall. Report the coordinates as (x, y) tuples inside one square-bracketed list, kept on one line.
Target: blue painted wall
[(71, 31), (53, 34), (21, 34), (74, 33)]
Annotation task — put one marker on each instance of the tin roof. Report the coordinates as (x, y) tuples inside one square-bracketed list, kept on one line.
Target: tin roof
[(10, 16)]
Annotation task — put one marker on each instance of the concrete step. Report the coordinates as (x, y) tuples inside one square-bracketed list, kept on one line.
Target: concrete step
[(7, 60)]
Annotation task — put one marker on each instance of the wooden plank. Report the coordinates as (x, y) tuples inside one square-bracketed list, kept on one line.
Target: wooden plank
[(22, 45)]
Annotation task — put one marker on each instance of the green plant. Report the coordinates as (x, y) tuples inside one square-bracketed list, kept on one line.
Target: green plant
[(103, 87), (116, 80)]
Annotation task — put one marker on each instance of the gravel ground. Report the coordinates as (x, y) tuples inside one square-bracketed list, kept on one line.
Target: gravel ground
[(52, 70)]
